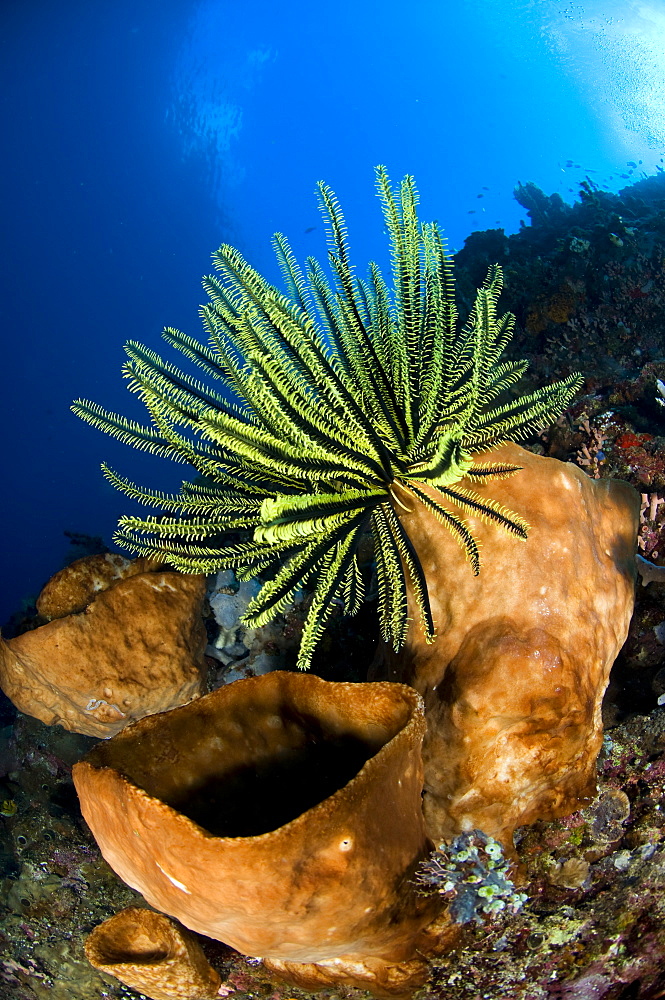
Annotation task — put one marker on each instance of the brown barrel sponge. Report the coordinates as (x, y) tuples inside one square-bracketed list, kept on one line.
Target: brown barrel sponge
[(280, 814), (154, 955), (513, 683), (136, 648)]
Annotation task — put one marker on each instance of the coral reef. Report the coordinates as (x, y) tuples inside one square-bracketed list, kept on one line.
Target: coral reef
[(589, 295), (475, 873), (585, 281), (595, 914)]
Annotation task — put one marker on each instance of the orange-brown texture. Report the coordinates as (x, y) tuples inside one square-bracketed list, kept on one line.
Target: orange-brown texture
[(136, 648), (280, 814), (75, 586), (153, 955), (513, 683)]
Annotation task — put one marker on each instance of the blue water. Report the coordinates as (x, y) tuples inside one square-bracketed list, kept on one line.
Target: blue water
[(137, 136)]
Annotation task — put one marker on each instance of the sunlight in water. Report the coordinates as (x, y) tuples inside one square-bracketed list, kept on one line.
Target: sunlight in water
[(617, 52), (209, 80)]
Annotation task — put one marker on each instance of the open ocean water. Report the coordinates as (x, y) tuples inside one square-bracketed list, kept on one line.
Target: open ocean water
[(139, 136)]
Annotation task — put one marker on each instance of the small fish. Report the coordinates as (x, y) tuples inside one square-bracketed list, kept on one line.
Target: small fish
[(661, 389), (8, 807), (310, 229), (631, 163)]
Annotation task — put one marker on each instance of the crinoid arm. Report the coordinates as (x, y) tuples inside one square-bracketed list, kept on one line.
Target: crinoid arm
[(326, 410)]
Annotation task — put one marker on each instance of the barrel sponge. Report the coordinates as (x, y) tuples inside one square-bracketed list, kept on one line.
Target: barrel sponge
[(280, 814), (513, 683), (123, 643), (153, 955)]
